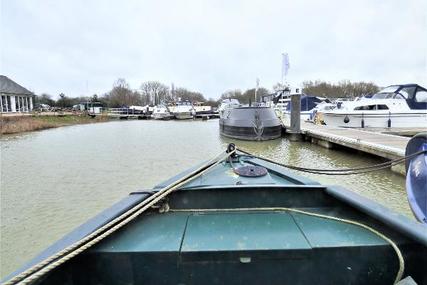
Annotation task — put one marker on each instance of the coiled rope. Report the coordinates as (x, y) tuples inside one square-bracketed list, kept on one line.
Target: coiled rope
[(399, 273), (344, 171), (45, 266)]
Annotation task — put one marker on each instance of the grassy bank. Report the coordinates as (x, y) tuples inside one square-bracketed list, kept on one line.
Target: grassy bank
[(13, 125)]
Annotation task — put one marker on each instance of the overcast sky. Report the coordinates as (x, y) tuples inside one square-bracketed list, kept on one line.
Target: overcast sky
[(82, 47)]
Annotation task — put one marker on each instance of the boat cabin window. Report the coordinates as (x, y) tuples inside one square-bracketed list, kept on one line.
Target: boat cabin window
[(407, 92), (385, 96), (372, 107), (421, 96), (393, 92), (390, 89)]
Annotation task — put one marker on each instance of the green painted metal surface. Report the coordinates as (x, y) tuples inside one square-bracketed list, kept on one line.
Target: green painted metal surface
[(223, 174), (150, 233), (242, 231), (329, 233)]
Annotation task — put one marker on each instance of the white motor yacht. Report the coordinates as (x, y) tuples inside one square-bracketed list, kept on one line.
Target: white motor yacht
[(227, 104), (183, 110), (398, 106), (308, 104), (161, 112)]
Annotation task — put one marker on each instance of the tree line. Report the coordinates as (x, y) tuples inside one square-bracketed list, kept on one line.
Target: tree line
[(155, 92), (341, 89), (121, 95), (247, 96)]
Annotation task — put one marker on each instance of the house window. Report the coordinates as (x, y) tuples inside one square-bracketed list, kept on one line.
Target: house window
[(9, 108), (3, 104)]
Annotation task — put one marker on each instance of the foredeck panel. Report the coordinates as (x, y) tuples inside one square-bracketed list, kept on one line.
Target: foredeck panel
[(150, 233), (322, 232), (242, 232)]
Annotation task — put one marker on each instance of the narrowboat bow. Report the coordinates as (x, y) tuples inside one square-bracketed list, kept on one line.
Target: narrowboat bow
[(237, 219)]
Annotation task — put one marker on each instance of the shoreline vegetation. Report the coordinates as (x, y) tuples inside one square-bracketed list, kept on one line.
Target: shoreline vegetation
[(20, 124), (155, 92)]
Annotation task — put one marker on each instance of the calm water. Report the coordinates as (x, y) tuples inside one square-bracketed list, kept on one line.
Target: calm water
[(54, 180)]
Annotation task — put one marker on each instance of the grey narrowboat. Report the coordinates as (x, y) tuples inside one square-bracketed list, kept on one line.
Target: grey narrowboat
[(250, 123)]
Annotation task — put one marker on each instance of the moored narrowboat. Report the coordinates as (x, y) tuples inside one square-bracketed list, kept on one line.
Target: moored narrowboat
[(250, 123)]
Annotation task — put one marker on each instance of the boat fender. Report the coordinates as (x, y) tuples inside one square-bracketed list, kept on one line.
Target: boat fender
[(416, 176), (346, 119), (415, 144), (362, 123)]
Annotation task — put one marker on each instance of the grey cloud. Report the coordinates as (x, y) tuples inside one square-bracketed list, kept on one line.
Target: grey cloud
[(210, 46)]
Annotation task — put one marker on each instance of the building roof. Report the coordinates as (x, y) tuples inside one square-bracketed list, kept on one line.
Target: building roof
[(11, 87)]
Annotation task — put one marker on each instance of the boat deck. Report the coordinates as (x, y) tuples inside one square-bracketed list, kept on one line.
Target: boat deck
[(203, 239)]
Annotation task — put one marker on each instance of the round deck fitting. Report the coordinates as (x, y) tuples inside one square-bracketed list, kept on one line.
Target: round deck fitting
[(251, 171)]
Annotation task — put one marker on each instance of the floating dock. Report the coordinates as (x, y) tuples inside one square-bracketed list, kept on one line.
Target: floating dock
[(385, 145)]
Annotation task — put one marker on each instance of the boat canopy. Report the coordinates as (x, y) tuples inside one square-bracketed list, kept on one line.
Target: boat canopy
[(309, 102), (414, 94), (407, 91)]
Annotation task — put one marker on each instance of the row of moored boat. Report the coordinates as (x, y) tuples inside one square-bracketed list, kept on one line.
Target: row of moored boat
[(397, 106)]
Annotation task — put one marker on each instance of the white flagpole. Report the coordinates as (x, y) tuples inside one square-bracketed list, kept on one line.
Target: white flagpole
[(256, 88), (285, 67)]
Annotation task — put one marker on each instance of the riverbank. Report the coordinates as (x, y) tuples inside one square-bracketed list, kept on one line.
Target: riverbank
[(19, 124)]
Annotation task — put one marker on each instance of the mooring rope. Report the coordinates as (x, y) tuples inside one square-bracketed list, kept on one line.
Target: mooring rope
[(344, 171), (43, 267), (399, 273)]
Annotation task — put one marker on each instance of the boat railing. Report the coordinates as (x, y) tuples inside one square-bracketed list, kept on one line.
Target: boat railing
[(124, 111)]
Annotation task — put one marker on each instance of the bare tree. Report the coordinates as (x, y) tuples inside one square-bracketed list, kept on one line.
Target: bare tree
[(155, 92), (185, 94), (121, 95), (44, 99), (247, 96), (232, 94)]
